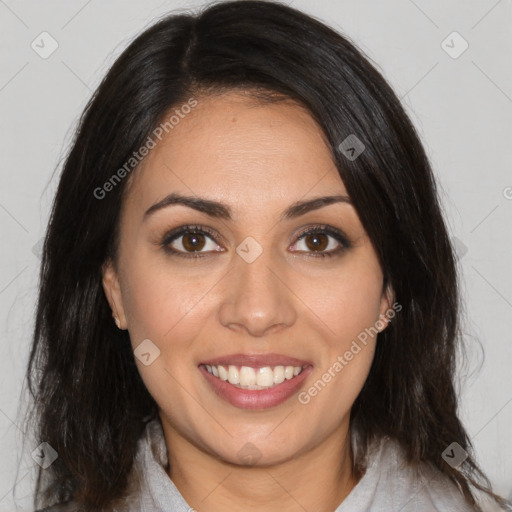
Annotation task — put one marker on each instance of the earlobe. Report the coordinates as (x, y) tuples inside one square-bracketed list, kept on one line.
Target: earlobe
[(112, 289)]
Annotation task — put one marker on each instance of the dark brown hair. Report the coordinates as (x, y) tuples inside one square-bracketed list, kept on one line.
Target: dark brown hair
[(90, 403)]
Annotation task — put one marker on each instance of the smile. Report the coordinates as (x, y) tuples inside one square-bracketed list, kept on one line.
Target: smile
[(247, 377), (247, 387)]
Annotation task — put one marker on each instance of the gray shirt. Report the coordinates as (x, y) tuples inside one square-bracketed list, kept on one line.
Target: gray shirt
[(388, 485)]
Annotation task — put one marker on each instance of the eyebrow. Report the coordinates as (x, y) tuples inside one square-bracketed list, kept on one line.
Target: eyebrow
[(222, 211)]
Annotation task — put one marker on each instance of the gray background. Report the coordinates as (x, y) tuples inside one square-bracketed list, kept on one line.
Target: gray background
[(461, 106)]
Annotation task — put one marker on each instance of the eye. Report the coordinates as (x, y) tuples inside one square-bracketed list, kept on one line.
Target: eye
[(199, 241), (187, 240), (322, 241)]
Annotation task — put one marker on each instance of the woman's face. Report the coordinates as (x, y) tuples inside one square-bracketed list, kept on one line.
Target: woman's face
[(258, 287)]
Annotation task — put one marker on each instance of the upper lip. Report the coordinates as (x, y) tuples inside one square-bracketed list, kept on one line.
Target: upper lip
[(256, 360)]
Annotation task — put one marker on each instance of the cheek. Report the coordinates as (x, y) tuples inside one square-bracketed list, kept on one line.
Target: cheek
[(346, 357), (157, 302), (349, 302), (170, 310), (164, 309), (349, 305)]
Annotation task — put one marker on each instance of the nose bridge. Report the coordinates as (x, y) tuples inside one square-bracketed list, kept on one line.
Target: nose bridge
[(256, 297)]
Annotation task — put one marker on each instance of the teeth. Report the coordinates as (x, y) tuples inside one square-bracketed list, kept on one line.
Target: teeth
[(223, 373), (278, 374), (265, 377), (233, 375), (247, 377)]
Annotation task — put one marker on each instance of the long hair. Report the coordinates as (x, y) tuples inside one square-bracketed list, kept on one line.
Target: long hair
[(89, 401)]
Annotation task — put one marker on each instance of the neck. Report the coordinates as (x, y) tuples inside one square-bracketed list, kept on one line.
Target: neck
[(318, 479)]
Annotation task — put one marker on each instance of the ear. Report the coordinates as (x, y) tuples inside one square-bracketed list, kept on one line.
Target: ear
[(386, 302), (112, 289)]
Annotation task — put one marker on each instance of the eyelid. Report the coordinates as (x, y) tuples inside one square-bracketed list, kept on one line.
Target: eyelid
[(176, 233), (336, 233)]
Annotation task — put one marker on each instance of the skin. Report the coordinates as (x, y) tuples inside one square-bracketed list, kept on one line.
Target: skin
[(257, 159)]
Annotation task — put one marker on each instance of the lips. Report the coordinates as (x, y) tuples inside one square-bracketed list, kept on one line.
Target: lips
[(272, 396), (256, 360), (256, 399)]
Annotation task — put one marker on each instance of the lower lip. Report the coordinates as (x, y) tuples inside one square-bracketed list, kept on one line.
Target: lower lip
[(256, 398)]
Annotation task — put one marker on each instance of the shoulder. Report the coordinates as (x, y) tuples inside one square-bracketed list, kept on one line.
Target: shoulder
[(390, 483), (423, 487)]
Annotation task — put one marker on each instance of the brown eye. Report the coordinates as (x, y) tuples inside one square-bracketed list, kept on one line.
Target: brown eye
[(317, 242), (190, 241), (322, 241), (193, 242)]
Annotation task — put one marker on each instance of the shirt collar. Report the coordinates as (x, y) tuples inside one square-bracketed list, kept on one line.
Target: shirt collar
[(156, 491)]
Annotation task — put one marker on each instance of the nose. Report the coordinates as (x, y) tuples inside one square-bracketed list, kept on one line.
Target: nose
[(257, 297)]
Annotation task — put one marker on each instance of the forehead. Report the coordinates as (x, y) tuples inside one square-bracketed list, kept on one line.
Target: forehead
[(236, 150)]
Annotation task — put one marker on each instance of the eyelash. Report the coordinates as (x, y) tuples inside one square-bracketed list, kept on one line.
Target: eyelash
[(194, 229)]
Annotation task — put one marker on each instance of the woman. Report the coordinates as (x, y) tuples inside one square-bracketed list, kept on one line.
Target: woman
[(248, 295)]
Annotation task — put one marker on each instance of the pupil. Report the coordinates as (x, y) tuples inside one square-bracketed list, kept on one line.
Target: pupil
[(193, 241), (319, 241)]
